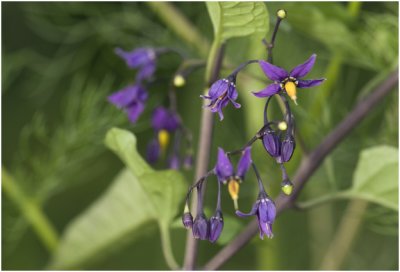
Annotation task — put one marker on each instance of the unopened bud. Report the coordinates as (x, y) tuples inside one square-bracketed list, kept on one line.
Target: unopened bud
[(281, 13), (216, 226), (287, 187), (272, 143), (282, 125), (287, 148), (179, 81)]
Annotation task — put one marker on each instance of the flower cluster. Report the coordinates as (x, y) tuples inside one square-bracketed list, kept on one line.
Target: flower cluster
[(278, 138), (165, 122)]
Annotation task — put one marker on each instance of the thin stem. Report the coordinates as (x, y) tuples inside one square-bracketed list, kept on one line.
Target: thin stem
[(219, 196), (204, 146), (242, 66), (31, 211), (270, 45), (309, 165), (167, 248), (259, 181)]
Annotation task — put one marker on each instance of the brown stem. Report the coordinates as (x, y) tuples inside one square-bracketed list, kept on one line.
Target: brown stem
[(309, 165), (203, 158)]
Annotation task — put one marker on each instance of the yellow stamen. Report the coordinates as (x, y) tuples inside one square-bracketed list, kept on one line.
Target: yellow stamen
[(163, 139), (290, 88), (233, 188)]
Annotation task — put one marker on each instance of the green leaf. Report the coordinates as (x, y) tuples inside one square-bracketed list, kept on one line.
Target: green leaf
[(376, 176), (238, 19), (137, 196)]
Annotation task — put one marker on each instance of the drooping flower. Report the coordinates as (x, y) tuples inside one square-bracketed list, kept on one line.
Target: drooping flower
[(221, 92), (288, 81), (143, 59), (201, 227), (265, 210), (287, 148), (225, 172), (272, 143), (164, 122), (131, 99), (216, 226)]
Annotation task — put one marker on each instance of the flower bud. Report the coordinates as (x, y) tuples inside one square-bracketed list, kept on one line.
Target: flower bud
[(187, 220), (287, 187), (201, 227), (287, 148), (179, 81), (272, 143), (281, 13), (216, 226), (282, 125)]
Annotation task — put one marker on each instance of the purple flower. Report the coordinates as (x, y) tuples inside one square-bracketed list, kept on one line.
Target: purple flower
[(224, 168), (143, 59), (220, 93), (164, 119), (285, 81), (287, 148), (201, 227), (265, 210), (216, 226), (131, 99), (272, 143), (187, 220)]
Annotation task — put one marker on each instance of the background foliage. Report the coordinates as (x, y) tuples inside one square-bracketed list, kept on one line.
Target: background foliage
[(59, 66)]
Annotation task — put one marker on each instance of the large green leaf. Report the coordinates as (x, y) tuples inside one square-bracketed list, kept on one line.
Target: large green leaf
[(238, 19), (376, 176), (137, 196)]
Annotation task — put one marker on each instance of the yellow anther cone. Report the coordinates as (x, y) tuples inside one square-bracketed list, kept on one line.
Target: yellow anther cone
[(233, 189), (290, 88), (163, 139)]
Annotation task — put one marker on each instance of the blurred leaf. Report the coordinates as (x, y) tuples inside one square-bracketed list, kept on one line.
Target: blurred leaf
[(376, 176), (134, 198), (238, 19)]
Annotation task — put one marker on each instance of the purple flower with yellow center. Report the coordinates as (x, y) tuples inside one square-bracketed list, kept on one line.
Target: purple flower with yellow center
[(164, 122), (225, 172), (143, 59), (288, 81), (221, 93), (131, 99), (265, 210)]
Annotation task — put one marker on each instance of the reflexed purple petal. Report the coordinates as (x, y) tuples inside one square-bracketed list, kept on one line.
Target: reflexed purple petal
[(218, 88), (146, 71), (125, 96), (273, 72), (287, 149), (216, 226), (233, 95), (201, 227), (253, 211), (134, 110), (137, 57), (244, 163), (163, 118), (268, 91), (153, 151), (310, 83), (303, 69), (272, 144), (223, 168)]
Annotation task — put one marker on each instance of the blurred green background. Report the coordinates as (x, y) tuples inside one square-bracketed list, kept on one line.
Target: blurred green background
[(59, 66)]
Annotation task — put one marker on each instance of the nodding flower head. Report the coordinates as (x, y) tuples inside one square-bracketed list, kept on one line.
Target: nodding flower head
[(201, 227), (187, 218), (287, 148), (225, 172), (221, 93), (143, 59), (288, 81), (216, 226), (265, 210), (131, 99), (271, 143)]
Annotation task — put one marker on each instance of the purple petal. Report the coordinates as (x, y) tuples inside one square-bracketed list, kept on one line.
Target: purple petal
[(223, 168), (266, 210), (233, 95), (218, 88), (310, 83), (137, 57), (163, 118), (134, 110), (244, 163), (153, 151), (173, 162), (124, 97), (268, 91), (253, 211), (146, 71), (303, 69), (273, 72)]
